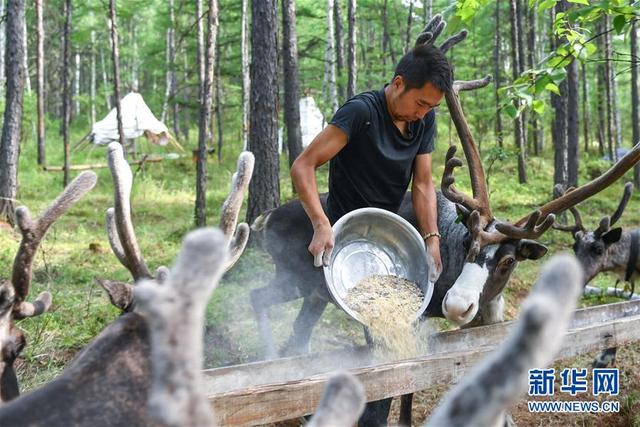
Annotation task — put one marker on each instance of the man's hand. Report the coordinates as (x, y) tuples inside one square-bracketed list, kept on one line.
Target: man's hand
[(322, 244), (433, 252)]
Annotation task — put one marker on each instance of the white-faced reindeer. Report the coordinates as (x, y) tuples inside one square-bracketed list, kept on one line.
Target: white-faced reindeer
[(478, 253), (14, 292), (108, 382)]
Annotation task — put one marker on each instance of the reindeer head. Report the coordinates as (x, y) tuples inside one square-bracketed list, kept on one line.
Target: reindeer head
[(494, 247), (124, 242), (592, 248), (14, 292)]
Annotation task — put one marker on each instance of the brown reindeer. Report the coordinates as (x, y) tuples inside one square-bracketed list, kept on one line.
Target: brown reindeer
[(14, 292), (108, 382)]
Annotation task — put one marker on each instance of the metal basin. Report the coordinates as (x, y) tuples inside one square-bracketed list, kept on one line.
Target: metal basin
[(372, 241)]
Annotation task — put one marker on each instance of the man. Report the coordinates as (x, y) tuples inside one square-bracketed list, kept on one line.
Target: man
[(376, 142)]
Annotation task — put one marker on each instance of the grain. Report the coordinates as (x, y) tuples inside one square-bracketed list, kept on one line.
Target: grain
[(388, 305)]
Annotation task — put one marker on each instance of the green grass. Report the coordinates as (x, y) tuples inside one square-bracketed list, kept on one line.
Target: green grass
[(76, 250)]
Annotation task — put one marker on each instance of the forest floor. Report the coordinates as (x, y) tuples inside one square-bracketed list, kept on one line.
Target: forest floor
[(76, 251)]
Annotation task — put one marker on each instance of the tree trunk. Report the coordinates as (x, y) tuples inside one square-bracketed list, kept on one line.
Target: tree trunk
[(25, 62), (608, 85), (11, 127), (219, 102), (353, 67), (331, 91), (387, 48), (66, 90), (291, 80), (105, 81), (40, 79), (205, 113), (600, 97), (246, 78), (518, 122), (135, 84), (3, 38), (635, 97), (520, 12), (407, 40), (339, 43), (531, 63), (92, 91), (428, 10), (264, 189), (585, 107), (497, 65), (573, 125), (559, 128), (76, 86), (115, 57)]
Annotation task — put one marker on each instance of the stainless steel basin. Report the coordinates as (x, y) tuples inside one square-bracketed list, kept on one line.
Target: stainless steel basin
[(372, 241)]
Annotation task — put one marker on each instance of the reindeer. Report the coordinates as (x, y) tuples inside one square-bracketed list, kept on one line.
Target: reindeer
[(108, 382), (479, 253), (606, 249), (14, 292)]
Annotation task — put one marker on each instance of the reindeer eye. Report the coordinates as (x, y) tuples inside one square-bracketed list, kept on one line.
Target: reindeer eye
[(508, 261), (597, 250)]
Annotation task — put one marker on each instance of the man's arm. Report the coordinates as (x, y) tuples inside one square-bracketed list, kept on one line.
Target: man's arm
[(425, 205), (303, 174)]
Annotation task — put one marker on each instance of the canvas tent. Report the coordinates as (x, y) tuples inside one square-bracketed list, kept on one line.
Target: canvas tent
[(137, 120)]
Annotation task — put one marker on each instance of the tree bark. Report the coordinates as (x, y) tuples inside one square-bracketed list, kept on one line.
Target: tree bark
[(11, 127), (76, 85), (635, 98), (115, 57), (264, 189), (516, 66), (608, 85), (246, 76), (353, 66), (428, 10), (40, 79), (585, 107), (3, 39), (531, 62), (497, 65), (105, 81), (204, 129), (600, 97), (339, 43), (407, 39), (66, 90), (573, 125), (25, 62), (331, 91), (92, 90), (291, 80), (219, 101), (559, 128)]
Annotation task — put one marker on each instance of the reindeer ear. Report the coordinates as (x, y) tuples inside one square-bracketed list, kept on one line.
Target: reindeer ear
[(530, 249), (612, 236)]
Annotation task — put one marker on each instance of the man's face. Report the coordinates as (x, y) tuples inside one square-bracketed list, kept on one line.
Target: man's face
[(413, 104)]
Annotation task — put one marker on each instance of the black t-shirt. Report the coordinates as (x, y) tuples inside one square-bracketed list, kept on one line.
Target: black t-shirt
[(375, 167)]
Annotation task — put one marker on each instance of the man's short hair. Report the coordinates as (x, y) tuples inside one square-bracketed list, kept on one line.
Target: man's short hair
[(425, 64)]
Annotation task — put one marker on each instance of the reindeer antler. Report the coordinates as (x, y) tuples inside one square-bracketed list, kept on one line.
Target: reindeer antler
[(572, 198), (605, 222), (236, 238), (558, 191), (122, 236), (176, 396), (32, 233)]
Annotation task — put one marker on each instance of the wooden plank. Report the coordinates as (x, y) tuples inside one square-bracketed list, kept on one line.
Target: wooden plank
[(228, 378), (291, 399)]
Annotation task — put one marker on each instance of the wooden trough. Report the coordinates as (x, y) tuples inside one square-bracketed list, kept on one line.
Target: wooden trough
[(282, 389)]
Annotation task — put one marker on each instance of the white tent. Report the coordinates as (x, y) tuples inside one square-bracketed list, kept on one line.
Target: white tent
[(137, 120)]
